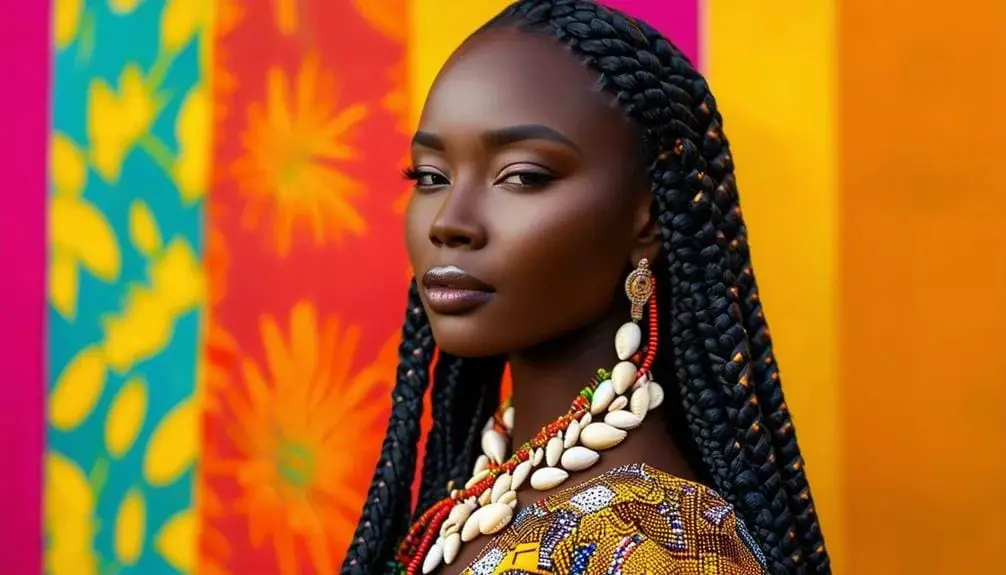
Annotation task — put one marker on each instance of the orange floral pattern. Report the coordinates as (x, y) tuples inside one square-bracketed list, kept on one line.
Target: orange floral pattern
[(294, 143), (292, 421), (304, 279)]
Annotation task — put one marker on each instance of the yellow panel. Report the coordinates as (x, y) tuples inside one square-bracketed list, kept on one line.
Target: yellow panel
[(437, 28), (923, 287), (772, 66)]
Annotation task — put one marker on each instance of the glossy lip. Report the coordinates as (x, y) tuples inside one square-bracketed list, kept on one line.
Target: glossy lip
[(451, 290)]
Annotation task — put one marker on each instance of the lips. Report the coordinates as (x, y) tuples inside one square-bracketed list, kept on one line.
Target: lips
[(452, 291)]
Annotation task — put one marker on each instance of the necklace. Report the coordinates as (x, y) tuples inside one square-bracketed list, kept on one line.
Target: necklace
[(599, 418)]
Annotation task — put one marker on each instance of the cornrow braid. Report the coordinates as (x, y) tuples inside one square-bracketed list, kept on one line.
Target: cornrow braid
[(485, 375), (780, 425), (465, 395), (439, 448), (386, 513)]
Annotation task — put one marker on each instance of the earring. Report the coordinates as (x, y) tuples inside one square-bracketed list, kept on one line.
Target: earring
[(638, 287)]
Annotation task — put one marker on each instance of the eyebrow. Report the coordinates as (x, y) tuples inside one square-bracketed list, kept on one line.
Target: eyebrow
[(503, 137)]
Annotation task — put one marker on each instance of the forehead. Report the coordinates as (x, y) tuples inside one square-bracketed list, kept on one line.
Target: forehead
[(503, 77)]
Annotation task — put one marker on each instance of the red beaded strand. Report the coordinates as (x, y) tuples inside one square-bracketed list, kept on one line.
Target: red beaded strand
[(654, 329)]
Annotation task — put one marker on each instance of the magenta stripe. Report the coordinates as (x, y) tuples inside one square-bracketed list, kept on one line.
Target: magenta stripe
[(24, 125), (677, 19)]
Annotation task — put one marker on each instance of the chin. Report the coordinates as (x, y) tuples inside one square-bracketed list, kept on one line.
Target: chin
[(464, 336)]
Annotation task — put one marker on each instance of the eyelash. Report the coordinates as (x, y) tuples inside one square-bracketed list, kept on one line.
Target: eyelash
[(417, 175), (537, 179)]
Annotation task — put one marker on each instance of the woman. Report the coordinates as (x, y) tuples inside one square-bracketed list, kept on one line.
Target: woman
[(566, 151)]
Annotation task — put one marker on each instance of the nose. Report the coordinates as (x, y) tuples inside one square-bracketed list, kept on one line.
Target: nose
[(458, 223)]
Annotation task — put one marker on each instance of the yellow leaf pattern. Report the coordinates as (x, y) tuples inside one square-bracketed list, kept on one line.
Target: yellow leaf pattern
[(130, 527), (192, 130), (79, 229), (172, 446), (179, 22), (67, 20), (143, 230), (174, 542), (69, 518), (63, 283), (123, 6), (77, 389), (116, 120), (125, 417), (68, 168), (128, 169)]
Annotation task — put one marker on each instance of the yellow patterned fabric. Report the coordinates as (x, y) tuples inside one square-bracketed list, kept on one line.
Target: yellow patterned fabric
[(633, 520)]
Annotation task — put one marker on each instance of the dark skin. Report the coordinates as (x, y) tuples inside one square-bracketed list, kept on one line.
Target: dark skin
[(529, 179)]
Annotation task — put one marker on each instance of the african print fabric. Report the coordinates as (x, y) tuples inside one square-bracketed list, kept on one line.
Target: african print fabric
[(632, 520)]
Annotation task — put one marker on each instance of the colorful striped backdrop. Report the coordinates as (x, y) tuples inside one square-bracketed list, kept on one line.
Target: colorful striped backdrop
[(205, 280)]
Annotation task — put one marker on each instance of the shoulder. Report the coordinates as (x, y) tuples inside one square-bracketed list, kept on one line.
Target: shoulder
[(632, 519)]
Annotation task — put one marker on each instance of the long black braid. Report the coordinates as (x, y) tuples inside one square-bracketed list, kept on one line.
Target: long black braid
[(720, 354)]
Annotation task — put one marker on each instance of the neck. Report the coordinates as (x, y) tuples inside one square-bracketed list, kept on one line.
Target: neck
[(548, 377)]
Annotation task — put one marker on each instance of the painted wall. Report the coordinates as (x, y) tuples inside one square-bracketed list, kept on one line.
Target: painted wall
[(922, 272), (193, 148)]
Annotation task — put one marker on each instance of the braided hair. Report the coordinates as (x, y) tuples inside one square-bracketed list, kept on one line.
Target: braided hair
[(725, 398)]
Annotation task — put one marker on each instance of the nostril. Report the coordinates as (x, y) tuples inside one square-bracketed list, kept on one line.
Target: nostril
[(451, 241)]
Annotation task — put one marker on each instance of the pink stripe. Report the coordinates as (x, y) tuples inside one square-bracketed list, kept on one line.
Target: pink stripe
[(24, 121), (677, 19)]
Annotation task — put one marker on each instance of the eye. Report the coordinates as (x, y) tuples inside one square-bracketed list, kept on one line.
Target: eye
[(426, 178), (526, 177)]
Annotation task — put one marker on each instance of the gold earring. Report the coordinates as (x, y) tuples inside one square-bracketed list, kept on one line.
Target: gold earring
[(638, 287)]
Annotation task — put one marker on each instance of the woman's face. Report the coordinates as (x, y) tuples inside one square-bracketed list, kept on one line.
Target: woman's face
[(530, 201)]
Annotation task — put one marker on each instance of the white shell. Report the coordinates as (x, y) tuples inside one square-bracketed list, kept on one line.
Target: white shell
[(476, 478), (482, 462), (623, 376), (640, 402), (641, 382), (434, 557), (459, 513), (656, 394), (578, 458), (494, 445), (451, 547), (627, 340), (509, 498), (450, 531), (494, 518), (539, 454), (553, 451), (620, 402), (488, 425), (585, 420), (600, 436), (623, 419), (603, 395), (508, 417), (471, 529), (548, 477), (501, 486), (572, 434), (486, 497), (520, 473)]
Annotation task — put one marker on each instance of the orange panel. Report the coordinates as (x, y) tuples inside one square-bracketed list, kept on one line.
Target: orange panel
[(923, 285)]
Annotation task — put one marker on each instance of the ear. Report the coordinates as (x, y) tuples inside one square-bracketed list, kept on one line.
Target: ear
[(646, 227)]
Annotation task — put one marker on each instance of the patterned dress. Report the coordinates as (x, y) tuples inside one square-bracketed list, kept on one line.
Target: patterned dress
[(630, 520)]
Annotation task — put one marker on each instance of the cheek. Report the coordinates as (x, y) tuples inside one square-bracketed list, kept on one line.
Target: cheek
[(565, 260), (418, 217)]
